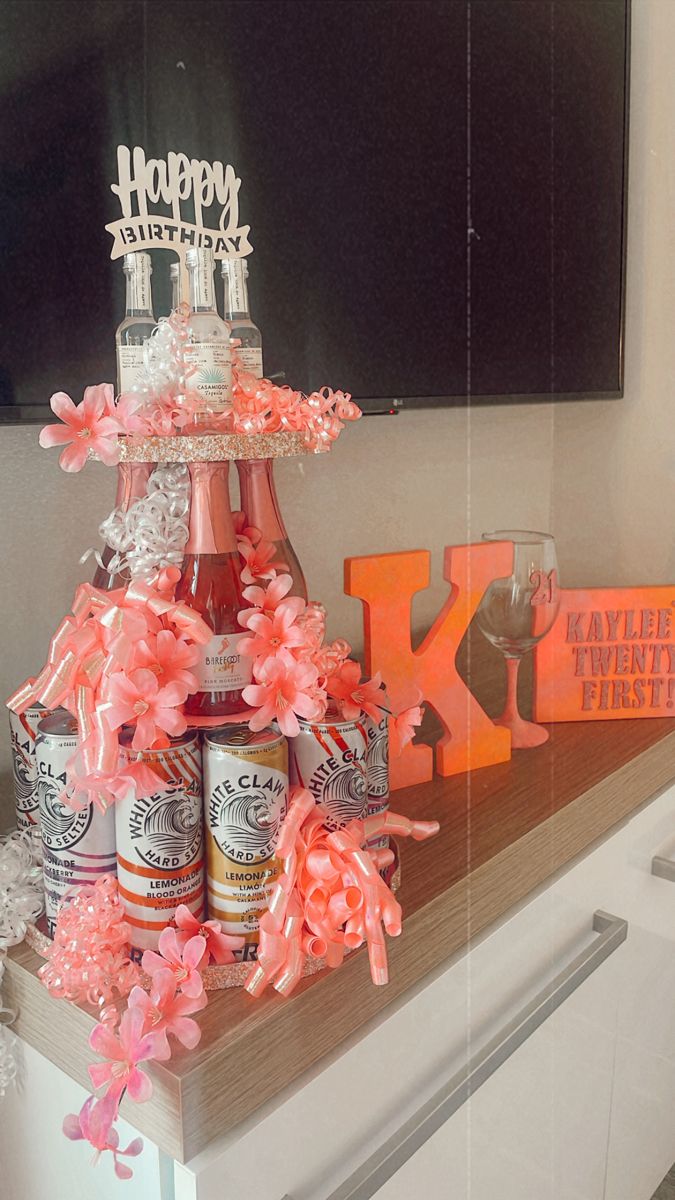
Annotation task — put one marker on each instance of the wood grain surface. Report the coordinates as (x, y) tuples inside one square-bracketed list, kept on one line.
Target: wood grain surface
[(504, 831)]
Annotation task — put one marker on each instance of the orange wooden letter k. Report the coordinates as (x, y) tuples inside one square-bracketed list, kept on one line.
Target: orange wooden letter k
[(386, 583)]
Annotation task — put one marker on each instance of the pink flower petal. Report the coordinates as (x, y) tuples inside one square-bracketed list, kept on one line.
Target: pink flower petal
[(103, 1042), (139, 1086), (187, 1031), (194, 952), (74, 457), (63, 407), (55, 435), (122, 1171), (71, 1127), (100, 1073), (134, 1148)]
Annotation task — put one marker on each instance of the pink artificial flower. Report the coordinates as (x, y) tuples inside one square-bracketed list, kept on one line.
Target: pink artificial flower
[(402, 728), (88, 426), (219, 945), (125, 1052), (258, 560), (129, 413), (353, 696), (274, 633), (166, 1010), (183, 960), (138, 699), (284, 689), (93, 1124), (169, 658), (265, 599)]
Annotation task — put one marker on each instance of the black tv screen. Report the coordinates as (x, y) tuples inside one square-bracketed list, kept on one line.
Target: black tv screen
[(436, 189)]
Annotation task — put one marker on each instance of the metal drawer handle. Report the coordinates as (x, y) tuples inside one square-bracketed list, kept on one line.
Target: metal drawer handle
[(663, 867), (392, 1154)]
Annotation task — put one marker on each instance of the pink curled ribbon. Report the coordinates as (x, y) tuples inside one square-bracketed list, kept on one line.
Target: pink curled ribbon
[(330, 897), (94, 651)]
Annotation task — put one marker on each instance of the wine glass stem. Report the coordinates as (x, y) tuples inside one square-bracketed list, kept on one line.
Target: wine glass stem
[(511, 707)]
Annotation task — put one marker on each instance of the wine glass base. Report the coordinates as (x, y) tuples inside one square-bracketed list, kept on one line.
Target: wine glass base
[(524, 734)]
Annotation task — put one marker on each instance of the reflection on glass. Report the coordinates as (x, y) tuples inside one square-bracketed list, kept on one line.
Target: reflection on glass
[(516, 613)]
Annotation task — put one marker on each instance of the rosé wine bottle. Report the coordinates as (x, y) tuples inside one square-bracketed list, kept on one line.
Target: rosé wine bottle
[(210, 583), (259, 502), (132, 484)]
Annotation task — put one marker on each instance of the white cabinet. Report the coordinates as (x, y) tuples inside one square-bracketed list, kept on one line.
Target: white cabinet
[(642, 1143)]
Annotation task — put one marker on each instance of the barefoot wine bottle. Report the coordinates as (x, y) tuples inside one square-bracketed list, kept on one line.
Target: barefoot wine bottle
[(210, 583)]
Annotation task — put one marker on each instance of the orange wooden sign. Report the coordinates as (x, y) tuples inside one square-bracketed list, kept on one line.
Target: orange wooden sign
[(609, 655), (386, 583)]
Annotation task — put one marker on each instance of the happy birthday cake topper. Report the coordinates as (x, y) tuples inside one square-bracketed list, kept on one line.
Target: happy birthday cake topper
[(173, 182)]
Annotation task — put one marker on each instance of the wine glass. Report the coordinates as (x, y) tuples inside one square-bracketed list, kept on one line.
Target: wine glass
[(516, 613)]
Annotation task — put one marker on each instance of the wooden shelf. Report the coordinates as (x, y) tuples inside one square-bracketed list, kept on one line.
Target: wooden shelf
[(504, 831)]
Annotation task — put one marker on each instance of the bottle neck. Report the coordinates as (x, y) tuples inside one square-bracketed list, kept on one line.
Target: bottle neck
[(259, 497), (211, 525), (139, 291), (132, 483), (175, 293), (236, 290), (202, 292)]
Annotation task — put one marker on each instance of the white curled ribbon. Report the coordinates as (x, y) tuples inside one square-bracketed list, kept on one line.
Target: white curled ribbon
[(21, 902), (152, 533)]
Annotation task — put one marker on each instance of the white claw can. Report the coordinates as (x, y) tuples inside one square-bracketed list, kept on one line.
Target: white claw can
[(377, 769), (245, 799), (78, 847), (329, 759), (160, 840), (23, 732)]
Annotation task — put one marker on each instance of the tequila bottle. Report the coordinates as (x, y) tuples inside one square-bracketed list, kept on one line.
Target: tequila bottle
[(176, 295), (138, 322), (208, 356), (236, 308)]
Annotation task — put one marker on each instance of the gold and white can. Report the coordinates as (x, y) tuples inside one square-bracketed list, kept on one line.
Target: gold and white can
[(245, 801), (160, 840)]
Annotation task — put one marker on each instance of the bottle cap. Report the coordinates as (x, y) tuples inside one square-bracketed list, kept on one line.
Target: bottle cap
[(137, 261), (232, 263), (194, 257)]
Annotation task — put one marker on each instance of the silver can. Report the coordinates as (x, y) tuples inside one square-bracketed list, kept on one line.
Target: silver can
[(377, 764), (160, 840), (78, 847), (329, 759), (246, 798), (23, 732)]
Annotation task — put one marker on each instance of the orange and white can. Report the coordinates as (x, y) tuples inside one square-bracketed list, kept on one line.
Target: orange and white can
[(329, 759), (23, 732), (160, 841)]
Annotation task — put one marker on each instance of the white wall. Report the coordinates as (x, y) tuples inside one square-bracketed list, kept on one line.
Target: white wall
[(599, 474)]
